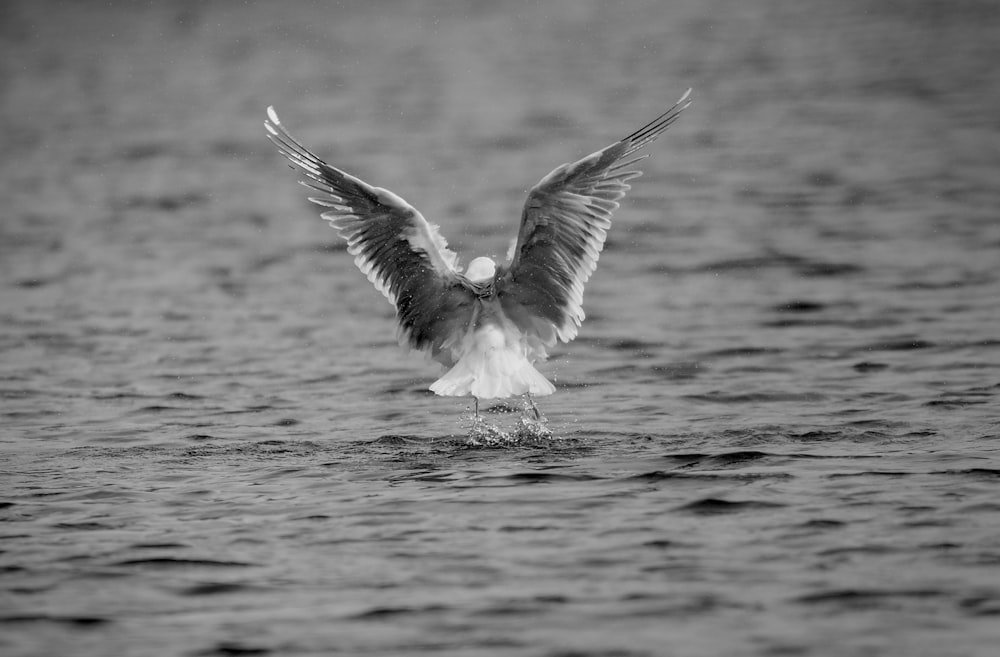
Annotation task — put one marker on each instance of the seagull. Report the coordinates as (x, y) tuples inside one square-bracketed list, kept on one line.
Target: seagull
[(490, 324)]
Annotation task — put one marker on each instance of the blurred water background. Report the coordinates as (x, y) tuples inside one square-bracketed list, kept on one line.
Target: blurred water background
[(776, 434)]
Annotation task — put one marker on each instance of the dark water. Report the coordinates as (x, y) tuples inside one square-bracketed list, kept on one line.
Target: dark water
[(777, 433)]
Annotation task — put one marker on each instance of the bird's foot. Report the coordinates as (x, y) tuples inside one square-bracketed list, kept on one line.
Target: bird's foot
[(532, 425)]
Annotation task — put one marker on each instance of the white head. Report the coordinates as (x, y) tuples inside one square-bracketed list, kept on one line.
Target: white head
[(480, 270)]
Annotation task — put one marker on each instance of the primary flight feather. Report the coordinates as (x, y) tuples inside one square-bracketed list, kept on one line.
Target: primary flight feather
[(488, 325)]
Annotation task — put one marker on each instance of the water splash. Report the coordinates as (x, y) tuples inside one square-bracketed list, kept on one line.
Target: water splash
[(527, 430)]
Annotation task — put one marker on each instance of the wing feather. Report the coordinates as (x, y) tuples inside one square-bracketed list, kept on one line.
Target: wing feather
[(563, 227), (402, 254)]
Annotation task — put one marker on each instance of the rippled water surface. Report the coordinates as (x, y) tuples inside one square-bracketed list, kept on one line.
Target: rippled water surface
[(776, 434)]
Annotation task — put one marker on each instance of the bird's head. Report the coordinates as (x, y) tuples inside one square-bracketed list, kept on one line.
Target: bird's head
[(481, 270)]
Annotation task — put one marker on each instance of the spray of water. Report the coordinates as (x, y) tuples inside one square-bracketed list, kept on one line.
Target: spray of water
[(526, 430)]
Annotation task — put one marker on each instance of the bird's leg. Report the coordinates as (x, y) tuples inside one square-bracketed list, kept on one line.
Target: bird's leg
[(534, 409), (475, 401)]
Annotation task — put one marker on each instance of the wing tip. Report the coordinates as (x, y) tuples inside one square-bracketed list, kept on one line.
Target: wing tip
[(272, 124), (684, 101)]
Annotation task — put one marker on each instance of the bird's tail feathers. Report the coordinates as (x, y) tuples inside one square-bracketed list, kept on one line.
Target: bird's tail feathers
[(493, 369)]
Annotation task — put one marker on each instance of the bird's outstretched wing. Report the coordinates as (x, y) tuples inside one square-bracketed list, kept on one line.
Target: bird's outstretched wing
[(402, 254), (563, 227)]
